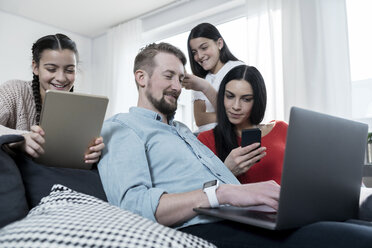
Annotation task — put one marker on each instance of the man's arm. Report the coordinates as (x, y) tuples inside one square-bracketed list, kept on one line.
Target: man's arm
[(177, 208), (125, 173)]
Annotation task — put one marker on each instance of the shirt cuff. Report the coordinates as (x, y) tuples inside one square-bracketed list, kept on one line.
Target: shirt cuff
[(152, 203)]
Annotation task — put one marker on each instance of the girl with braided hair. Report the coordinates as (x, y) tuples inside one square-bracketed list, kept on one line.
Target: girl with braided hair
[(54, 61)]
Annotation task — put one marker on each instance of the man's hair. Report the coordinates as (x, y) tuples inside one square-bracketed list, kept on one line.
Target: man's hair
[(145, 58)]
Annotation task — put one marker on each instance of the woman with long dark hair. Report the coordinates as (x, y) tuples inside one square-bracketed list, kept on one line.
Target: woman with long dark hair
[(210, 60), (241, 104), (54, 62)]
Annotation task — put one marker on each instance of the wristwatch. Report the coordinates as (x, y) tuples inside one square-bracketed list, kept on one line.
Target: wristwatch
[(210, 189)]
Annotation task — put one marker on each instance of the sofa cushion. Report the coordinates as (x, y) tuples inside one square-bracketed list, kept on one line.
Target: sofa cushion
[(39, 179), (13, 204), (68, 218)]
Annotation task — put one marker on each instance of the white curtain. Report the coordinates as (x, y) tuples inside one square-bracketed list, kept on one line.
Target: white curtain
[(123, 43), (265, 51), (315, 56)]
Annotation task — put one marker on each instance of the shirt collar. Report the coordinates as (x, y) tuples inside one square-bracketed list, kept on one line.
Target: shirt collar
[(149, 114)]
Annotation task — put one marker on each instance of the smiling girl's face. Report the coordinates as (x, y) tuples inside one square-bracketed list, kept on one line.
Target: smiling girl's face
[(56, 70), (206, 52), (238, 101)]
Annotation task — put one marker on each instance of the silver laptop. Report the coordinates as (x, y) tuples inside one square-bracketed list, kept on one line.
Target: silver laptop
[(322, 174), (71, 121)]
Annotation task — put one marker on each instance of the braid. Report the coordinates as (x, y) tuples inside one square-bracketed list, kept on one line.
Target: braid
[(37, 97)]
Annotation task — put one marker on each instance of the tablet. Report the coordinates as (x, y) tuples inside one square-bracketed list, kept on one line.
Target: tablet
[(71, 121)]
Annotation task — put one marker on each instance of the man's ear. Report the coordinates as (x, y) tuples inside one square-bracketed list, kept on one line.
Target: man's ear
[(220, 43), (141, 78), (35, 68)]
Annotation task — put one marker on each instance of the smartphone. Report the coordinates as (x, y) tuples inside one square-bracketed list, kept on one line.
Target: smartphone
[(250, 136)]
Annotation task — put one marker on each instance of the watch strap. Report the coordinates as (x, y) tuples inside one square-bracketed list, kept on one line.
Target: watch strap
[(211, 194)]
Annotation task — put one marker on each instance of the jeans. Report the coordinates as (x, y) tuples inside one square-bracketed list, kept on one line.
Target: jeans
[(353, 234)]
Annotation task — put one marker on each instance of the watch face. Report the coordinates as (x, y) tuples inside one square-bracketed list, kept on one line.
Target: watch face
[(210, 184)]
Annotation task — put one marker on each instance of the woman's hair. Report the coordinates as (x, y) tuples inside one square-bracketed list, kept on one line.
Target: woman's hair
[(52, 42), (207, 30), (224, 132)]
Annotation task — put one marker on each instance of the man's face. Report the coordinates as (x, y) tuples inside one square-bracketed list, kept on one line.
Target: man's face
[(165, 84)]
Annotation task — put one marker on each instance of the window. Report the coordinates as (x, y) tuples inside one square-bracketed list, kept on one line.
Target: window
[(360, 47)]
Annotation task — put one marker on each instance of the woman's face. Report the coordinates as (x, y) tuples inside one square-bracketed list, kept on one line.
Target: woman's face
[(206, 52), (238, 101), (56, 70)]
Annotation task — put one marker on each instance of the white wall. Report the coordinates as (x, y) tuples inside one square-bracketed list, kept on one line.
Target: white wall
[(17, 34)]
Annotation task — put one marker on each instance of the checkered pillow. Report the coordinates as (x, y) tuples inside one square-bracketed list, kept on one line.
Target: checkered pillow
[(67, 218)]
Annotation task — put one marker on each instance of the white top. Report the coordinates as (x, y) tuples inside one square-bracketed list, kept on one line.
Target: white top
[(215, 80)]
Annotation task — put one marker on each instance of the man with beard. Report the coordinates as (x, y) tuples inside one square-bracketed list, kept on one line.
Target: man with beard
[(156, 167)]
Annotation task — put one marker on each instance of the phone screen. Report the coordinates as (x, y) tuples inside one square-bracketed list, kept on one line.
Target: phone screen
[(250, 136)]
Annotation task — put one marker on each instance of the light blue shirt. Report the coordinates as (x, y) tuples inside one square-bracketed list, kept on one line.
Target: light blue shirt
[(145, 158)]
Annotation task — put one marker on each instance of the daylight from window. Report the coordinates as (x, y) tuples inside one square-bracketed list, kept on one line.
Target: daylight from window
[(360, 48), (359, 14)]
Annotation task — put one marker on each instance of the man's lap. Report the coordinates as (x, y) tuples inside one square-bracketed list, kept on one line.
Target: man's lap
[(320, 234)]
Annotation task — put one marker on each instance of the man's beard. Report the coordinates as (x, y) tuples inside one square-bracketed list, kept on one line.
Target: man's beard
[(162, 105)]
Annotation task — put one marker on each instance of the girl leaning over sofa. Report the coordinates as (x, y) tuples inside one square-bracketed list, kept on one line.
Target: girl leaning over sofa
[(54, 62), (210, 60)]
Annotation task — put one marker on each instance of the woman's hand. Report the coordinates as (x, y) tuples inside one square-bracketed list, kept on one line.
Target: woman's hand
[(33, 143), (242, 158), (192, 82), (94, 151)]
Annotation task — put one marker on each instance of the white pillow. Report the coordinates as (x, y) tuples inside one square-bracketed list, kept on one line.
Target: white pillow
[(67, 218)]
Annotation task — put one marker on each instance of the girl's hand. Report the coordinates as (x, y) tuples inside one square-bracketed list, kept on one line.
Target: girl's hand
[(33, 143), (192, 82), (94, 151), (241, 159)]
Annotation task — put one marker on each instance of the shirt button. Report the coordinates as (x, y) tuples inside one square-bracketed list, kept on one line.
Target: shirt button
[(218, 174), (199, 156)]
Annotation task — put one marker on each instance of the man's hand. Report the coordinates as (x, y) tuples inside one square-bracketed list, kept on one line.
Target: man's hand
[(253, 194)]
